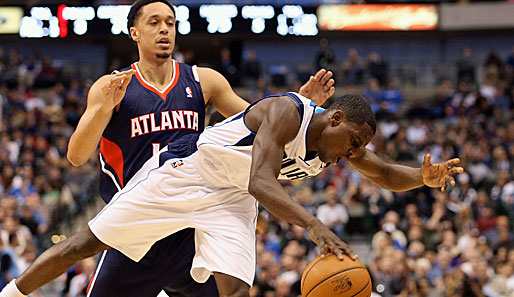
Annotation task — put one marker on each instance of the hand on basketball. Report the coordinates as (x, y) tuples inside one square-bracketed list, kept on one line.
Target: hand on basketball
[(115, 88), (319, 87), (329, 242), (439, 175)]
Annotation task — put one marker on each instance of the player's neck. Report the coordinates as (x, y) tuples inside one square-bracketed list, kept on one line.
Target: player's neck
[(314, 132), (157, 73)]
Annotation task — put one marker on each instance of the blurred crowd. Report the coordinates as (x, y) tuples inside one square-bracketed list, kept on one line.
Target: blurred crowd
[(418, 243), (39, 189), (423, 242)]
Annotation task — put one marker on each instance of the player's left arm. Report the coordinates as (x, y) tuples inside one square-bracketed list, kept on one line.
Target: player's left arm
[(218, 92), (398, 178)]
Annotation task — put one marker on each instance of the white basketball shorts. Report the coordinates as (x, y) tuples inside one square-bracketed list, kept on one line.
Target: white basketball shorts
[(161, 200)]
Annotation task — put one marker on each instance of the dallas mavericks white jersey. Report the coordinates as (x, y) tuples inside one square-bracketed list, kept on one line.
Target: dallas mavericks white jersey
[(201, 182), (227, 147)]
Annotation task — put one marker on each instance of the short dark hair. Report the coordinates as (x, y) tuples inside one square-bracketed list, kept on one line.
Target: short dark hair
[(355, 109), (136, 9)]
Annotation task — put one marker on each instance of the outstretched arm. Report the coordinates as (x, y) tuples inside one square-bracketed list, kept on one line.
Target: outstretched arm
[(218, 92), (280, 124), (403, 178)]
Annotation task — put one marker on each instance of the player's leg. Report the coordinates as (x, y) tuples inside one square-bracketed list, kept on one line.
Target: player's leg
[(119, 276), (177, 252), (230, 286), (225, 241), (57, 259)]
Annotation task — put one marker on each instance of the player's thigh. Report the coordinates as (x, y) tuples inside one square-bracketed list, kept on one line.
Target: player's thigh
[(229, 286), (118, 276), (225, 234)]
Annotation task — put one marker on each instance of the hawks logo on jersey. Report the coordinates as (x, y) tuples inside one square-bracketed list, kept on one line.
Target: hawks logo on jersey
[(170, 120)]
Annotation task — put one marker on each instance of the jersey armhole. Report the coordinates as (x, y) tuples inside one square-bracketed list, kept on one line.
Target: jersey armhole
[(195, 73)]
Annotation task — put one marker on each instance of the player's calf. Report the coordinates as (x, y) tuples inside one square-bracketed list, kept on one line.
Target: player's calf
[(54, 262), (229, 286)]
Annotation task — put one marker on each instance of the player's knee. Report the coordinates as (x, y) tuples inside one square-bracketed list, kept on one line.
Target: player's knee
[(240, 292), (83, 245)]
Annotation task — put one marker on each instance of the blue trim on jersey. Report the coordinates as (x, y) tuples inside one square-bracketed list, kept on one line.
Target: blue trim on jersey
[(251, 105), (248, 140), (224, 123), (299, 102), (292, 96)]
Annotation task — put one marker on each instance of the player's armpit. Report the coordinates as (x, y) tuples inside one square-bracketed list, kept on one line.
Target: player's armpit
[(218, 92)]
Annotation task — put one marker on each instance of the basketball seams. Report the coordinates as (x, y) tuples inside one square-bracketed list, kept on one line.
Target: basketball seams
[(307, 272), (328, 277), (362, 289)]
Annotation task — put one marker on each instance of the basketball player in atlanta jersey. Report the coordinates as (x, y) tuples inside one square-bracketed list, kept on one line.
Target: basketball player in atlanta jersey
[(214, 181), (135, 113)]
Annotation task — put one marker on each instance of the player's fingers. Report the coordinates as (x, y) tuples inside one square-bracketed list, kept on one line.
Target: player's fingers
[(319, 75), (452, 162), (331, 91), (451, 180), (339, 253), (455, 170), (322, 247), (347, 250), (326, 77), (116, 80), (329, 84), (426, 161), (126, 72), (125, 82)]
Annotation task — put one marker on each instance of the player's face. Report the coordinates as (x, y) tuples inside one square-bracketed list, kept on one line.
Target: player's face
[(154, 30), (341, 139)]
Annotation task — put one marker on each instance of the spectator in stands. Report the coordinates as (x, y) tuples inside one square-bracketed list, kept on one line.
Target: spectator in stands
[(325, 58), (466, 66), (227, 68), (353, 68), (392, 97), (373, 93), (8, 265), (510, 60), (377, 68), (493, 65), (79, 283), (251, 68), (333, 213)]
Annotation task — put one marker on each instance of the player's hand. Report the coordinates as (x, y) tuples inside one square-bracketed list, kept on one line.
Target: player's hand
[(319, 87), (115, 88), (329, 242), (438, 175)]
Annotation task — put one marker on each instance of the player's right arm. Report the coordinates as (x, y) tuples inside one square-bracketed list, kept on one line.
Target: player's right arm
[(104, 95), (277, 122)]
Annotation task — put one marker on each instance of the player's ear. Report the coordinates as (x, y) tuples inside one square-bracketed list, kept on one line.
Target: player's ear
[(336, 118), (134, 34)]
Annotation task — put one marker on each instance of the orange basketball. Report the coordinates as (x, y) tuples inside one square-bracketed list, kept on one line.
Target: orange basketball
[(329, 276)]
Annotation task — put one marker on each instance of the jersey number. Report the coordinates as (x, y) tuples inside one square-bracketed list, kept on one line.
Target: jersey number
[(156, 147)]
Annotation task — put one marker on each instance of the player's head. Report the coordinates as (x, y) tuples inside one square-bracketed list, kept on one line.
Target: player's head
[(351, 126), (151, 24)]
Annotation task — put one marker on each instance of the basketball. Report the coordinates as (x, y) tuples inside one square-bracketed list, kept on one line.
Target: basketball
[(328, 276)]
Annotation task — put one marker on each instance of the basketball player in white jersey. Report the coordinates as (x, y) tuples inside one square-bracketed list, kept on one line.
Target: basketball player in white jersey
[(128, 119), (207, 182)]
